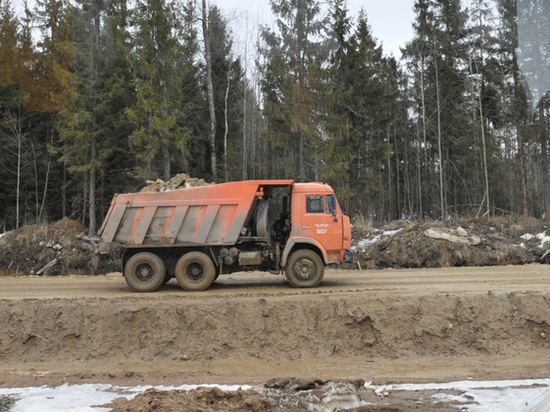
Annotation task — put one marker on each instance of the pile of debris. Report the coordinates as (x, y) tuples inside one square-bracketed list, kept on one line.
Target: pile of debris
[(292, 394), (58, 249), (180, 181), (64, 249), (457, 242)]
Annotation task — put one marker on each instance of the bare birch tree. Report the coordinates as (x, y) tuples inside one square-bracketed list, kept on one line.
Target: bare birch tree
[(210, 89)]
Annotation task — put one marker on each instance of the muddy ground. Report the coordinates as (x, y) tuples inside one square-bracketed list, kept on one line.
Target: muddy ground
[(381, 325)]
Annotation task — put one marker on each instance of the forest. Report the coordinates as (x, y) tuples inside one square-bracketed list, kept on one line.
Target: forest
[(99, 96)]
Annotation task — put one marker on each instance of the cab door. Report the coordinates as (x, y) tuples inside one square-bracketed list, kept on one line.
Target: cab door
[(322, 221)]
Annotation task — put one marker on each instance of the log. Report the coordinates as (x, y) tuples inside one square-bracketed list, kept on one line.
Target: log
[(49, 265)]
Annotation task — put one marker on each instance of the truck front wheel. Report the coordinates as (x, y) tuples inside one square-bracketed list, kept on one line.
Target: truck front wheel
[(195, 271), (304, 269), (144, 272)]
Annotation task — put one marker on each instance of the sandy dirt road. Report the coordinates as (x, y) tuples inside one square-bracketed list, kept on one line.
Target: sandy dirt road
[(418, 282), (382, 325)]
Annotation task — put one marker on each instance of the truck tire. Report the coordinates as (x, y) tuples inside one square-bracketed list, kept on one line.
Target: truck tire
[(144, 272), (304, 269), (195, 271)]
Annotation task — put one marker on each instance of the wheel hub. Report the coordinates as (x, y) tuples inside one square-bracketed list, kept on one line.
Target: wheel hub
[(305, 269), (144, 272), (195, 271)]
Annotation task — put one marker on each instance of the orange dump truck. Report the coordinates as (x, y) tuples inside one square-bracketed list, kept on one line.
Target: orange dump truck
[(196, 234)]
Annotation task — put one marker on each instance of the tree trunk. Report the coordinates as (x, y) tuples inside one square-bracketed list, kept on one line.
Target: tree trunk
[(544, 154), (64, 192), (483, 143), (44, 196), (485, 167), (93, 150), (244, 110), (18, 194), (424, 137), (92, 229), (226, 127), (85, 200), (210, 89), (167, 170), (520, 127), (523, 178), (441, 189)]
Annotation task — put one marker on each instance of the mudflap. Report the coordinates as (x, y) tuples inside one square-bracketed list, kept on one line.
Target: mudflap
[(349, 256)]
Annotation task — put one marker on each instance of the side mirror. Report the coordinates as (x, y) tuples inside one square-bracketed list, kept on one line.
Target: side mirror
[(334, 212)]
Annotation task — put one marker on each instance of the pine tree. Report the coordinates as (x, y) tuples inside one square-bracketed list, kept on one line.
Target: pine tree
[(22, 136), (192, 148), (9, 45), (533, 58), (227, 81), (438, 60), (155, 61), (484, 81), (361, 110), (54, 19), (516, 102), (292, 66), (338, 150)]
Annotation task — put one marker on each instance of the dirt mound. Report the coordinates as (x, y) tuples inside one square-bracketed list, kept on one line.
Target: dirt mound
[(289, 394), (180, 181), (57, 249), (481, 242), (292, 394), (291, 328), (199, 400)]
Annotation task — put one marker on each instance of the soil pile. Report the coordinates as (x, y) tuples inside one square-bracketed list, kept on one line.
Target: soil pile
[(57, 249), (62, 249), (180, 181), (288, 394), (481, 242), (198, 400), (294, 327)]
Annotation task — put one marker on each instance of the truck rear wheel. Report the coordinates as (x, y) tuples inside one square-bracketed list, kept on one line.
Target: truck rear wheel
[(304, 269), (144, 272), (195, 271)]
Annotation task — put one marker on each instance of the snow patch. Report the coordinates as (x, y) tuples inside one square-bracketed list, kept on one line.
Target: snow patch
[(366, 242), (78, 398), (86, 397), (543, 238), (478, 396)]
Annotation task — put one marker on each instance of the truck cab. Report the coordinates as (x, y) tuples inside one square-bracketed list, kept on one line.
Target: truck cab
[(319, 232), (318, 220)]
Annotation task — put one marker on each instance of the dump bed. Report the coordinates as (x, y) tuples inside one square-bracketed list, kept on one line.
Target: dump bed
[(211, 215)]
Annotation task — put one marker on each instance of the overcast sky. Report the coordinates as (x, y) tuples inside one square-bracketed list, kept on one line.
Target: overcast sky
[(390, 19)]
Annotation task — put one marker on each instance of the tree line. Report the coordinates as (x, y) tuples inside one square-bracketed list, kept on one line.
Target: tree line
[(98, 96)]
